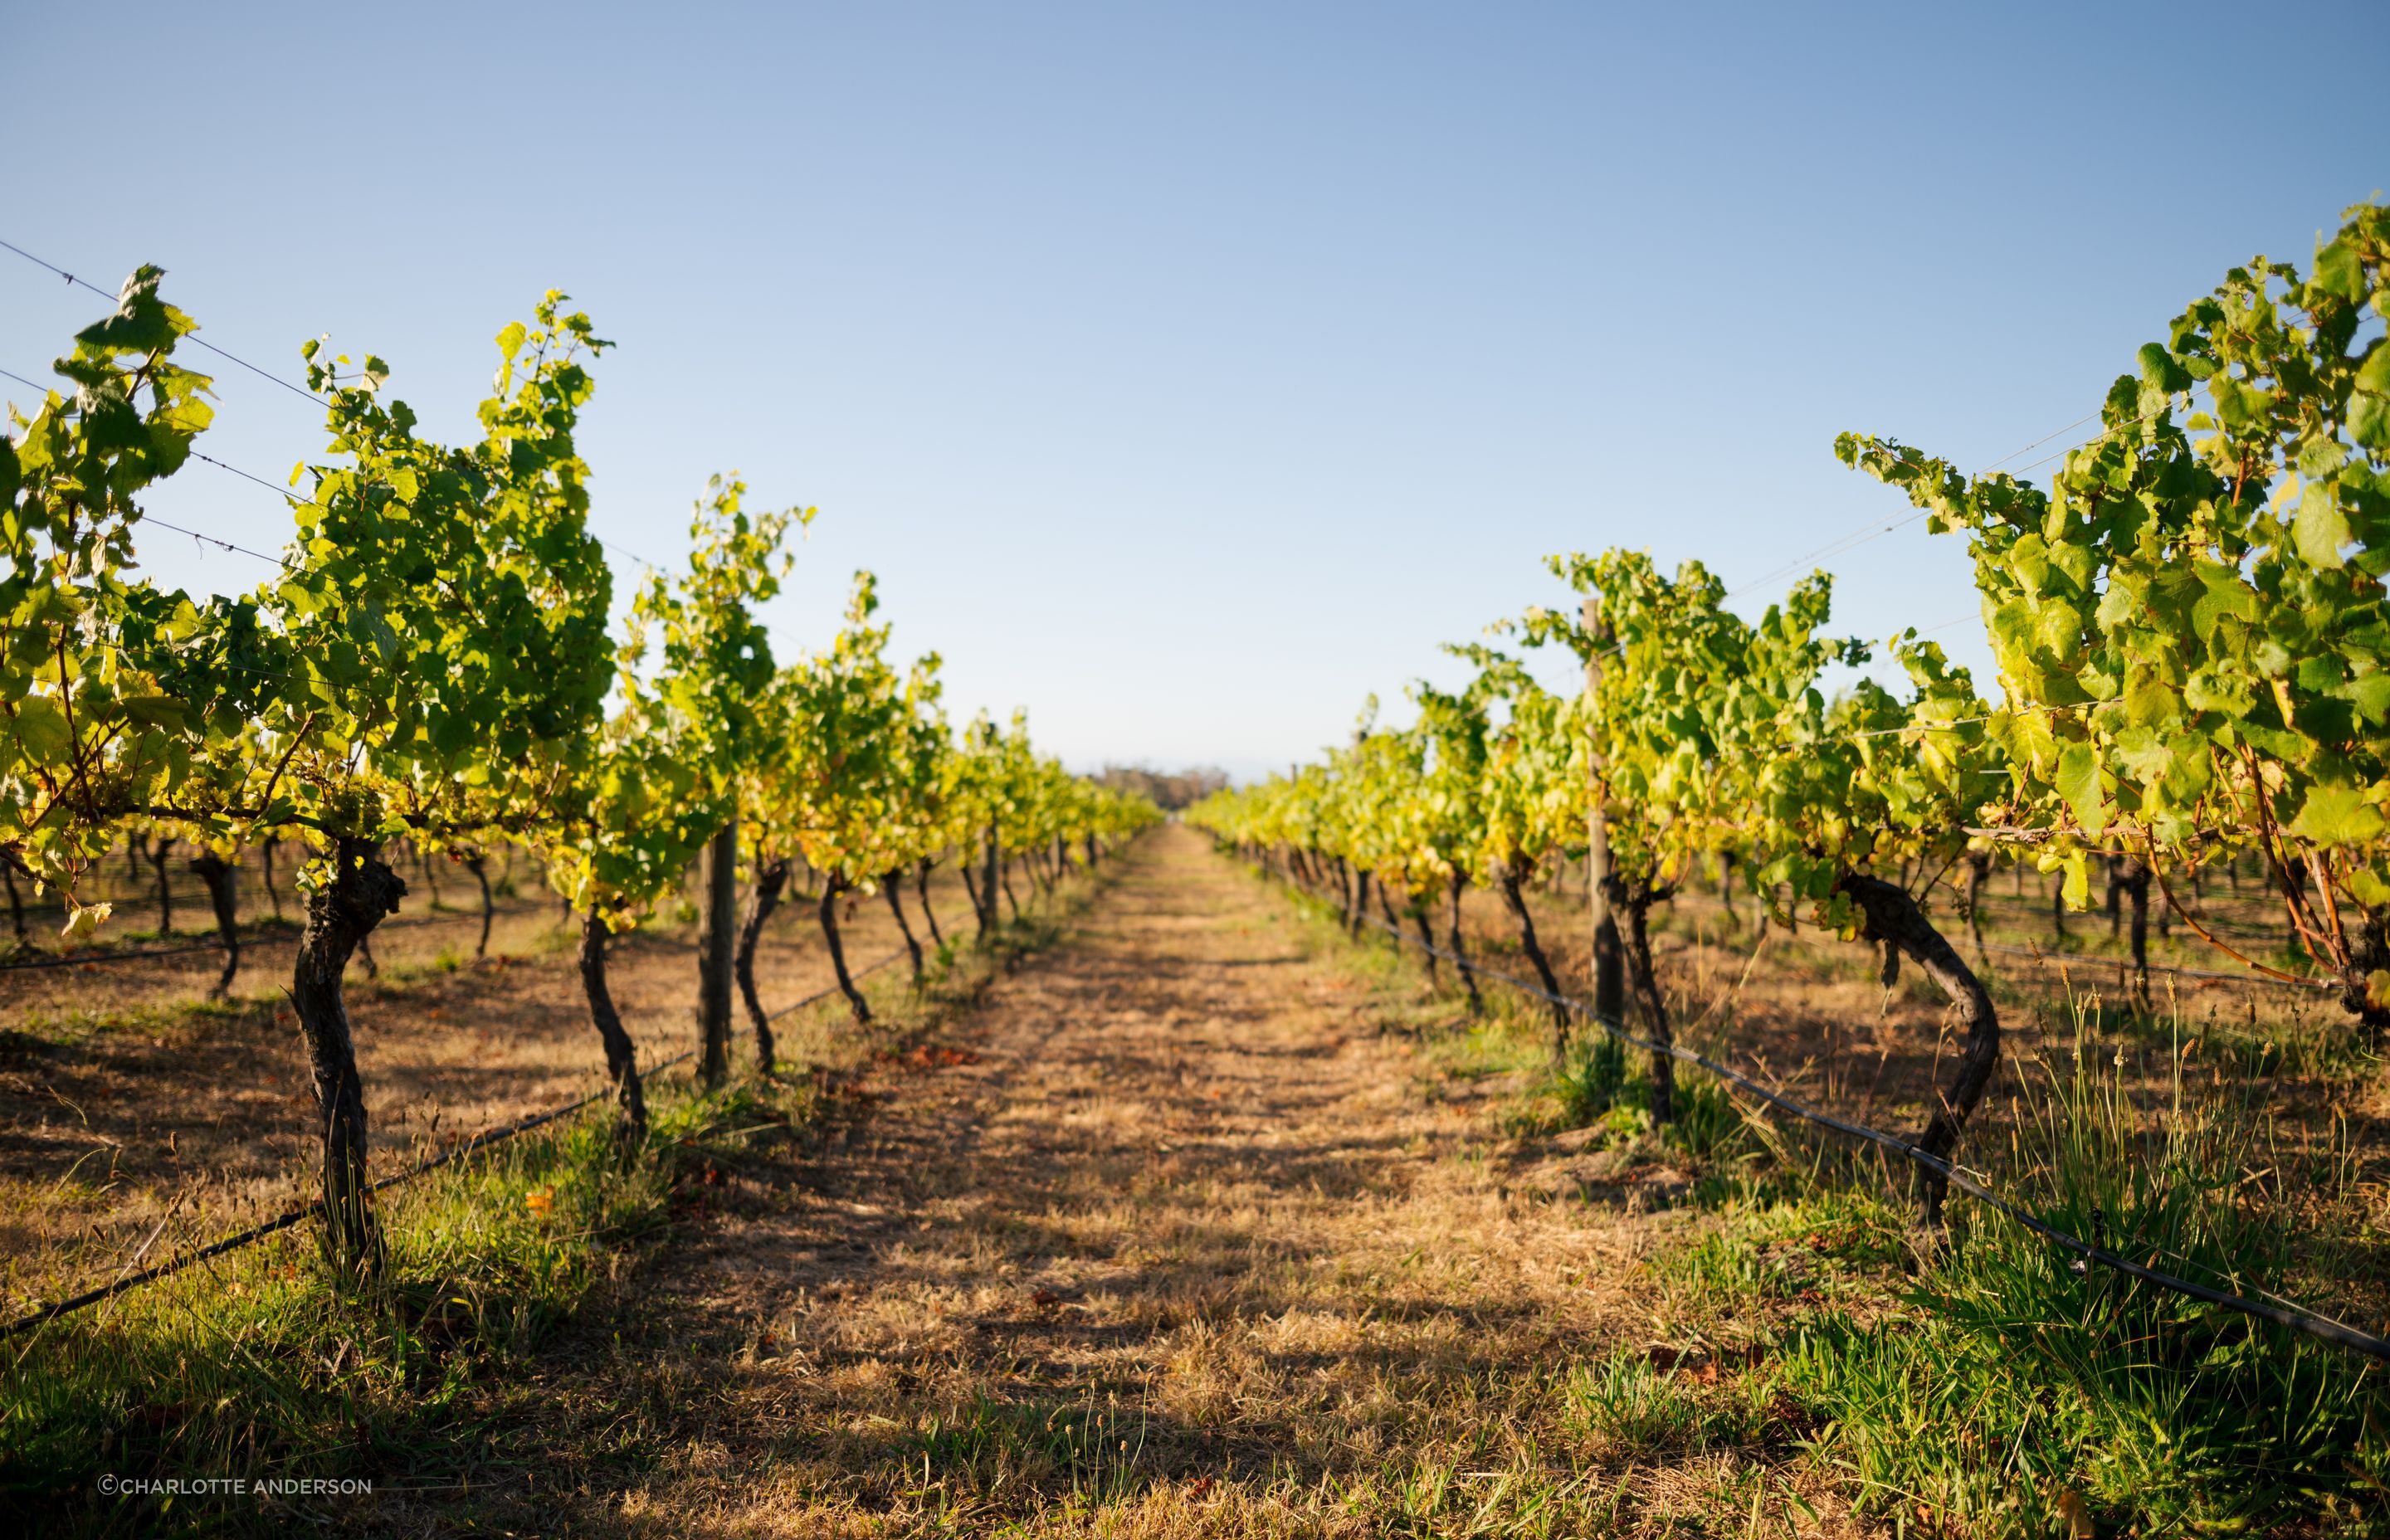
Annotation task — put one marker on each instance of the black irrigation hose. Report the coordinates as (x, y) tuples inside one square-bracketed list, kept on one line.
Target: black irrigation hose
[(2294, 1316), (864, 972), (820, 995), (97, 958), (2222, 975), (263, 938)]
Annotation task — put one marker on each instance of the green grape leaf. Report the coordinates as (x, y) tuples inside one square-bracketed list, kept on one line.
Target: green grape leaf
[(2340, 271), (2336, 815), (156, 710), (2368, 417), (2076, 885), (2225, 595), (41, 725), (2078, 781), (2320, 529)]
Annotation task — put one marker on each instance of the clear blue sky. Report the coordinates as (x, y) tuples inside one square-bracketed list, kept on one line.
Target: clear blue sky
[(1187, 373)]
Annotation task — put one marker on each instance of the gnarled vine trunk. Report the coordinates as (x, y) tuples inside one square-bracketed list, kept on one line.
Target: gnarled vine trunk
[(216, 874), (622, 1058), (832, 887), (928, 911), (478, 864), (988, 860), (1892, 916), (1459, 948), (360, 890), (1979, 866), (971, 886), (1427, 937), (159, 854), (2133, 876), (1634, 900), (890, 885), (2368, 953), (16, 903), (771, 882), (1508, 883)]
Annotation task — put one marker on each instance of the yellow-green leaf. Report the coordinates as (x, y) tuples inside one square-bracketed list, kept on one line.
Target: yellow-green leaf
[(2336, 815)]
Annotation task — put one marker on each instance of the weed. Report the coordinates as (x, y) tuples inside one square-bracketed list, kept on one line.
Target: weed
[(1708, 1125), (1624, 1401), (1083, 1451), (2018, 1378), (1588, 1085)]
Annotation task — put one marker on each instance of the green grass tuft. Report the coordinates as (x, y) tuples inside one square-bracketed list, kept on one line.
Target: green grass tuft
[(2013, 1377)]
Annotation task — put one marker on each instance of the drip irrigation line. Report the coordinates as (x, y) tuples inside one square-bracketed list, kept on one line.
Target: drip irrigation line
[(2294, 1316), (2225, 975), (118, 957), (818, 996), (265, 938)]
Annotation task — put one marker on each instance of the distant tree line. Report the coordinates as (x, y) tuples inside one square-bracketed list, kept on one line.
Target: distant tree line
[(1174, 789)]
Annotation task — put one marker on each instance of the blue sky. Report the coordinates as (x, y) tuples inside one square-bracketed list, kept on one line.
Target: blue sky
[(1189, 373)]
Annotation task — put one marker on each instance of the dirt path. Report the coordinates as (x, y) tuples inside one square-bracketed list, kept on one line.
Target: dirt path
[(1184, 1249)]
